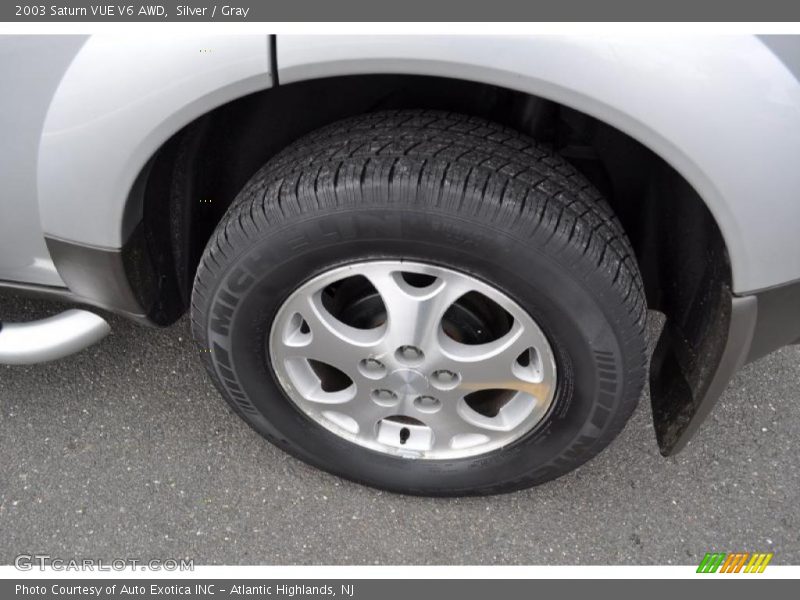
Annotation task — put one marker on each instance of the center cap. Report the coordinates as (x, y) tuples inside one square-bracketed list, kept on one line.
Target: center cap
[(407, 382)]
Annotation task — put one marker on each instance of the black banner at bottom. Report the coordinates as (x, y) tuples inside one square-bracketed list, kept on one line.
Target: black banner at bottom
[(383, 589)]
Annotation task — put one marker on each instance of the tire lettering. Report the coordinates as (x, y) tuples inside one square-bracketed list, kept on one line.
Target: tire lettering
[(239, 280), (221, 316)]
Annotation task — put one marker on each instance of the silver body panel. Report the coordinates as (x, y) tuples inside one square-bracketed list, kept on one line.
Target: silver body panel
[(30, 70)]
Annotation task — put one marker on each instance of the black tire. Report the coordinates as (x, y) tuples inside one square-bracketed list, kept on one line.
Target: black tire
[(446, 189)]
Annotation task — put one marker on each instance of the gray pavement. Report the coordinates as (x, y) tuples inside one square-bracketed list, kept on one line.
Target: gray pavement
[(127, 450)]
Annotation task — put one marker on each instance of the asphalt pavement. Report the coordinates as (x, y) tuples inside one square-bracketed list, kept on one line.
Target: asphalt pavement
[(126, 450)]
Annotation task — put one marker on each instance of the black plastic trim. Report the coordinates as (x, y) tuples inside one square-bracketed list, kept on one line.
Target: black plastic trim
[(778, 322), (687, 379), (98, 276), (273, 59), (690, 371)]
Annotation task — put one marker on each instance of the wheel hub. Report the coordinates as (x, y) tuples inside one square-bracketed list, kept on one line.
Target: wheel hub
[(407, 383)]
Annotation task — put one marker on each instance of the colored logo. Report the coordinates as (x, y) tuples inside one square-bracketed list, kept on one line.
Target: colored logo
[(738, 562)]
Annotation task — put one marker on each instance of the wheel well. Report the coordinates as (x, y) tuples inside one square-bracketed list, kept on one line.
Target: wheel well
[(194, 177)]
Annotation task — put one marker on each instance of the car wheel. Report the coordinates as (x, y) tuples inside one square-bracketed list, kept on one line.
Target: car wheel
[(424, 302)]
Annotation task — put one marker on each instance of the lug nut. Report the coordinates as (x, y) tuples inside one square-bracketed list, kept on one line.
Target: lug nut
[(445, 376), (445, 379), (372, 368), (384, 397), (409, 353), (427, 404)]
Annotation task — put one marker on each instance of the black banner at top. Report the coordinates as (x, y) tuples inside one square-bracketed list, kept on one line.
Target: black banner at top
[(399, 10)]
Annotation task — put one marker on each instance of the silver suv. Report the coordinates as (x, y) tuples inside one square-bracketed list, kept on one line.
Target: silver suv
[(421, 263)]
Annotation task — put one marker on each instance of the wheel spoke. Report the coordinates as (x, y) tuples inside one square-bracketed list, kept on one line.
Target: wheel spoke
[(450, 426), (414, 314), (329, 340), (491, 365), (362, 412)]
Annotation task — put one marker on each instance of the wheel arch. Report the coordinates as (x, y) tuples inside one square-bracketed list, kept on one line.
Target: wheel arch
[(682, 118), (120, 99), (688, 277)]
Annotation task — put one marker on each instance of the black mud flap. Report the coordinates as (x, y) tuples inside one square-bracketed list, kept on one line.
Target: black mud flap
[(699, 350)]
